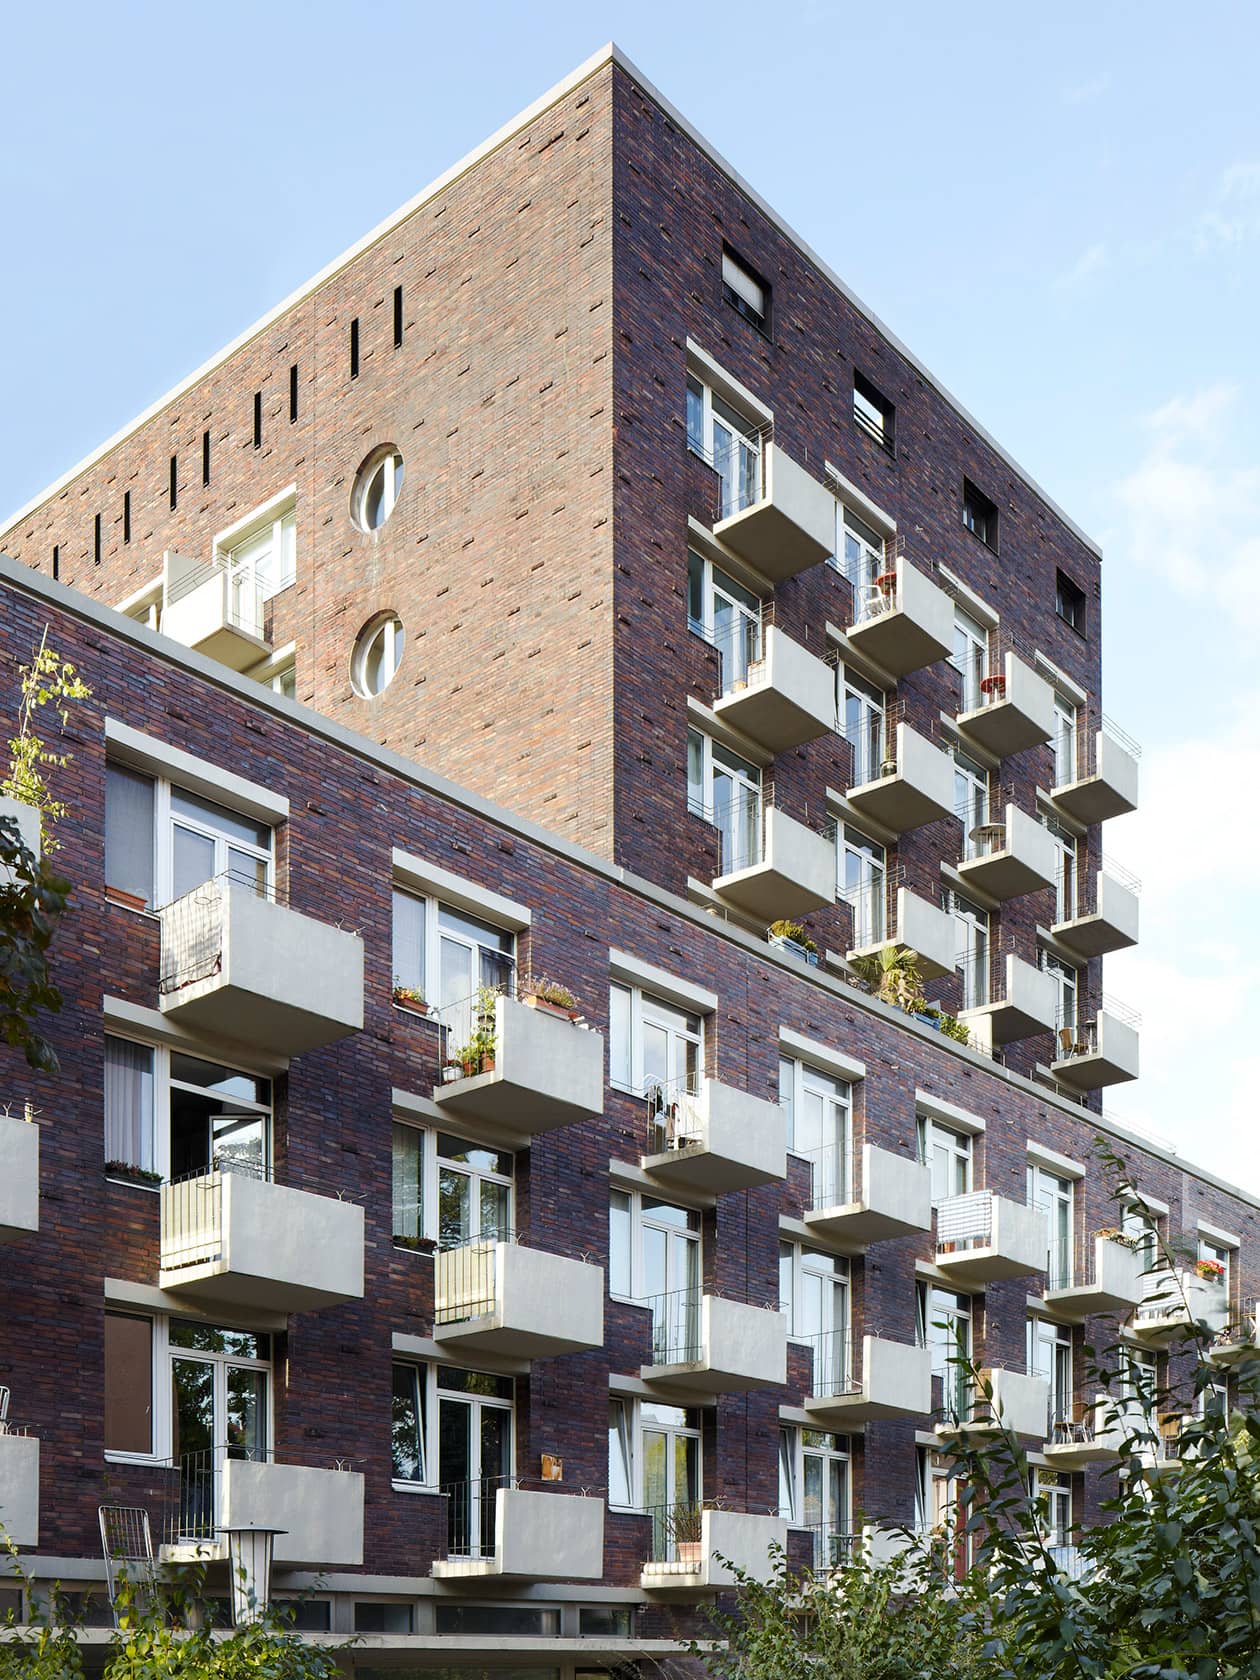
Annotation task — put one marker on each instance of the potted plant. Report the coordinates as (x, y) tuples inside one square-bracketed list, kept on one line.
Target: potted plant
[(415, 1245), (477, 1056), (131, 1174), (952, 1027), (684, 1526), (550, 996), (892, 974), (1211, 1271), (791, 936), (409, 997)]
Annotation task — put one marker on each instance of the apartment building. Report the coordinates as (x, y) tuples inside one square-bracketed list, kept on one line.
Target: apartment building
[(531, 671)]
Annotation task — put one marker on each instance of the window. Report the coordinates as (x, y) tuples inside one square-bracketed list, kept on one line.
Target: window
[(861, 872), (745, 291), (972, 925), (1055, 1197), (1069, 601), (447, 956), (814, 1490), (1065, 872), (1063, 744), (729, 443), (945, 1326), (654, 1259), (161, 842), (1216, 1253), (725, 790), (1053, 1491), (378, 652), (128, 1383), (947, 1154), (474, 1455), (873, 412), (970, 659), (863, 711), (938, 1509), (980, 515), (654, 1463), (501, 1621), (971, 802), (604, 1621), (408, 1191), (653, 1045), (474, 1192), (377, 487), (260, 562), (814, 1298), (819, 1113), (1067, 982), (859, 556), (408, 1437), (176, 1115), (284, 682), (725, 614), (1050, 1357), (621, 1458), (220, 1387), (377, 1616)]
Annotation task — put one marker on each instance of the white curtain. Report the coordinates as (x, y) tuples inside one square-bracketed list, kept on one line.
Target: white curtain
[(129, 1129)]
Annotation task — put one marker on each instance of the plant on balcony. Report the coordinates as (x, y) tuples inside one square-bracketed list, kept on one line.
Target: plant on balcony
[(684, 1528), (793, 937), (1211, 1271), (409, 997), (892, 975), (48, 680), (131, 1173), (539, 992)]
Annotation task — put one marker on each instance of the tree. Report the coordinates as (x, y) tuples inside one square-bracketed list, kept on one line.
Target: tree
[(32, 900)]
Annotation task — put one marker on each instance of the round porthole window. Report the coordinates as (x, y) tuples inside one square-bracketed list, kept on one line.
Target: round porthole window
[(377, 488), (377, 655)]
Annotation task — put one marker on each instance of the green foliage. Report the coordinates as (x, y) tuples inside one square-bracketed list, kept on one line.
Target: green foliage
[(48, 680), (892, 973), (896, 1620), (32, 901)]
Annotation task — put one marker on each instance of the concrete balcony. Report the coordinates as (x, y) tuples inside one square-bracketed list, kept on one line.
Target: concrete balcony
[(1016, 709), (889, 1196), (901, 620), (1022, 1001), (1239, 1342), (888, 1380), (1105, 915), (790, 527), (1011, 856), (203, 610), (787, 870), (914, 784), (518, 1302), (243, 967), (1103, 780), (230, 1238), (19, 1488), (705, 1344), (728, 1541), (320, 1511), (26, 817), (544, 1072), (788, 696), (1094, 1439), (912, 924), (1098, 1052), (1019, 1404), (526, 1534), (982, 1238), (19, 1177), (1175, 1302), (716, 1140), (1110, 1279)]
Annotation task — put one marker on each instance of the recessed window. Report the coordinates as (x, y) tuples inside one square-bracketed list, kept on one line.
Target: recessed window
[(745, 291), (980, 515), (377, 655), (1069, 602), (874, 413), (377, 488)]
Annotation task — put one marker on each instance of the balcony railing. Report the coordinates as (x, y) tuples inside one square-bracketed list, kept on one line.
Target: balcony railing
[(677, 1333), (1076, 1028), (244, 596), (470, 1285), (965, 1222), (740, 822), (831, 1545), (470, 1514), (873, 580), (197, 1501), (193, 926), (676, 1546), (675, 1114), (873, 737), (874, 907), (467, 1024), (739, 466), (833, 1365), (983, 816), (192, 1209), (835, 1172)]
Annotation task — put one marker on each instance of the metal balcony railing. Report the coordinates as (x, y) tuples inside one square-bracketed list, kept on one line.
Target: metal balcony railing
[(1076, 750), (470, 1274), (676, 1544), (244, 595), (675, 1114), (832, 1545), (194, 1503), (1242, 1328), (1076, 1024), (192, 926), (742, 819), (833, 1366), (471, 1508), (835, 1171), (1070, 1561), (1074, 1263), (192, 1209), (740, 468), (982, 812), (675, 1326), (469, 1025), (983, 669), (873, 903), (873, 578)]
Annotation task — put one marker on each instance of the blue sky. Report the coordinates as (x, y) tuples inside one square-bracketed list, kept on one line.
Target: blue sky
[(1057, 208)]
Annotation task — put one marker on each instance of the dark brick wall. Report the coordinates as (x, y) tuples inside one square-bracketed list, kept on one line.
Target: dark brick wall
[(334, 1127)]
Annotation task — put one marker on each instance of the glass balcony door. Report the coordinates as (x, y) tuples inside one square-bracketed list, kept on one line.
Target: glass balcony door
[(863, 867), (474, 1456), (221, 1405), (864, 721)]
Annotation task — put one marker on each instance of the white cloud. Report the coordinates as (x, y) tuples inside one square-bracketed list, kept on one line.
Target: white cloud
[(1190, 515), (1088, 263), (1084, 93), (1234, 216)]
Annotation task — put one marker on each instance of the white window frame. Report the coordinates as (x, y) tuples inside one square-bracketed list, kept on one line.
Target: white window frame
[(934, 1133), (638, 1220), (866, 728), (386, 457), (799, 1082), (1056, 1489), (742, 434), (858, 558), (633, 1412), (971, 800), (163, 1085), (1212, 1248), (970, 659), (1063, 743), (278, 521), (1067, 876), (389, 626), (831, 1341), (644, 1007), (743, 645), (974, 954), (167, 820), (1051, 1355), (867, 897), (433, 1394), (435, 933), (958, 1314), (792, 1436), (431, 1165), (1053, 1194), (741, 838)]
